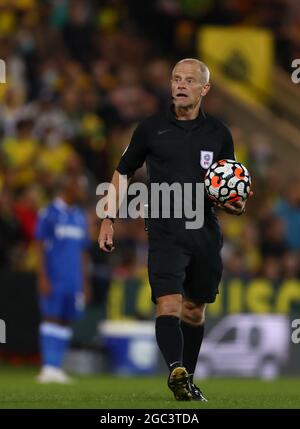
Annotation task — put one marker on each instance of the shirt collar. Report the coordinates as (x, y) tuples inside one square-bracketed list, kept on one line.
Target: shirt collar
[(172, 118)]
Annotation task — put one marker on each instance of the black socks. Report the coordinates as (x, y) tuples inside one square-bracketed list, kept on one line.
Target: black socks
[(169, 339), (193, 336), (179, 342)]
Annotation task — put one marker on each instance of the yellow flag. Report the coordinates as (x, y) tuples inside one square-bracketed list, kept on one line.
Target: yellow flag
[(241, 58)]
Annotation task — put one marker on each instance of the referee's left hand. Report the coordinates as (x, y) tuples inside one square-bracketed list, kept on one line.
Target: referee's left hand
[(235, 208)]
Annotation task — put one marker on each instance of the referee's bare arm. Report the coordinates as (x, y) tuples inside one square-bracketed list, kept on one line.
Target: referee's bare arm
[(133, 158), (114, 198)]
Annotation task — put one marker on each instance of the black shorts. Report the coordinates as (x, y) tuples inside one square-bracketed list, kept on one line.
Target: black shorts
[(191, 266)]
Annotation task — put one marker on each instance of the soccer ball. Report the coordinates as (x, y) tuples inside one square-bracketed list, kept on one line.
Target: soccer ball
[(227, 181)]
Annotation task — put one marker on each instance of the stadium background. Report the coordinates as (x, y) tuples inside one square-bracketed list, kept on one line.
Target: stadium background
[(80, 75)]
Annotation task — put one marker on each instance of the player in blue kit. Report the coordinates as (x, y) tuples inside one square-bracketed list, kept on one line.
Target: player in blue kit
[(62, 241)]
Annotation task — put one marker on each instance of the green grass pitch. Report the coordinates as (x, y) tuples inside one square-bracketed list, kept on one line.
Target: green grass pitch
[(19, 390)]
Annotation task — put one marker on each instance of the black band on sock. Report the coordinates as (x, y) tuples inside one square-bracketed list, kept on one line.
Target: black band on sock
[(193, 336), (169, 339)]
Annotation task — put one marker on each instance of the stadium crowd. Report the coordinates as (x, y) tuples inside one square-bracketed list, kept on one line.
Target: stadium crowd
[(80, 75)]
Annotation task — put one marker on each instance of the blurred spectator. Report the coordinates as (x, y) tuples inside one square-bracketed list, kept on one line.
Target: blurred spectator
[(249, 246), (77, 32), (290, 266), (10, 231), (47, 115), (10, 109), (288, 209), (158, 80), (260, 154), (21, 152), (272, 239), (236, 266), (26, 210), (271, 270)]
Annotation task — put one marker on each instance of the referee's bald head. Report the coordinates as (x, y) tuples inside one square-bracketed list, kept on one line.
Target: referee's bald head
[(202, 67)]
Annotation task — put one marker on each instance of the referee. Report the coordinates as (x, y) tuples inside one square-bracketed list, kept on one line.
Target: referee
[(184, 265)]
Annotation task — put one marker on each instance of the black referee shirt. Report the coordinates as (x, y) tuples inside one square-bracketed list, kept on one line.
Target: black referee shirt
[(177, 151)]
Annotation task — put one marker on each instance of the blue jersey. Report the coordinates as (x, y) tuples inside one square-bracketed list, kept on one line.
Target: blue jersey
[(63, 229)]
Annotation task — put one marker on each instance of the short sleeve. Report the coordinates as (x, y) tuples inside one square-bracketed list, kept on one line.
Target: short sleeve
[(227, 151), (135, 154)]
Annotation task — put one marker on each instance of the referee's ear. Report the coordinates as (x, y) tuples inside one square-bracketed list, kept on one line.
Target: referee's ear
[(205, 89)]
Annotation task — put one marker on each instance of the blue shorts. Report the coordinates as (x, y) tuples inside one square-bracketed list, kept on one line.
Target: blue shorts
[(65, 305)]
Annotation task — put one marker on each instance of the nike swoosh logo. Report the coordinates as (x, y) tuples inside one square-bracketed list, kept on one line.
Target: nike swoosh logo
[(162, 132)]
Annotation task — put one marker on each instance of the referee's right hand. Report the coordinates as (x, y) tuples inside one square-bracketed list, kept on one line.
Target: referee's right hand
[(106, 235)]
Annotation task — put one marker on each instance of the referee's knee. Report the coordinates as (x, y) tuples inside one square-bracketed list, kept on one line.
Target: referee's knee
[(193, 316), (169, 305)]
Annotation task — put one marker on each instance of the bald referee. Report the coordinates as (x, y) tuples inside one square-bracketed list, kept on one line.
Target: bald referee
[(184, 265)]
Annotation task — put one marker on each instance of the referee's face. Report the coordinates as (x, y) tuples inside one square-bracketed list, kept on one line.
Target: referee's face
[(187, 85)]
